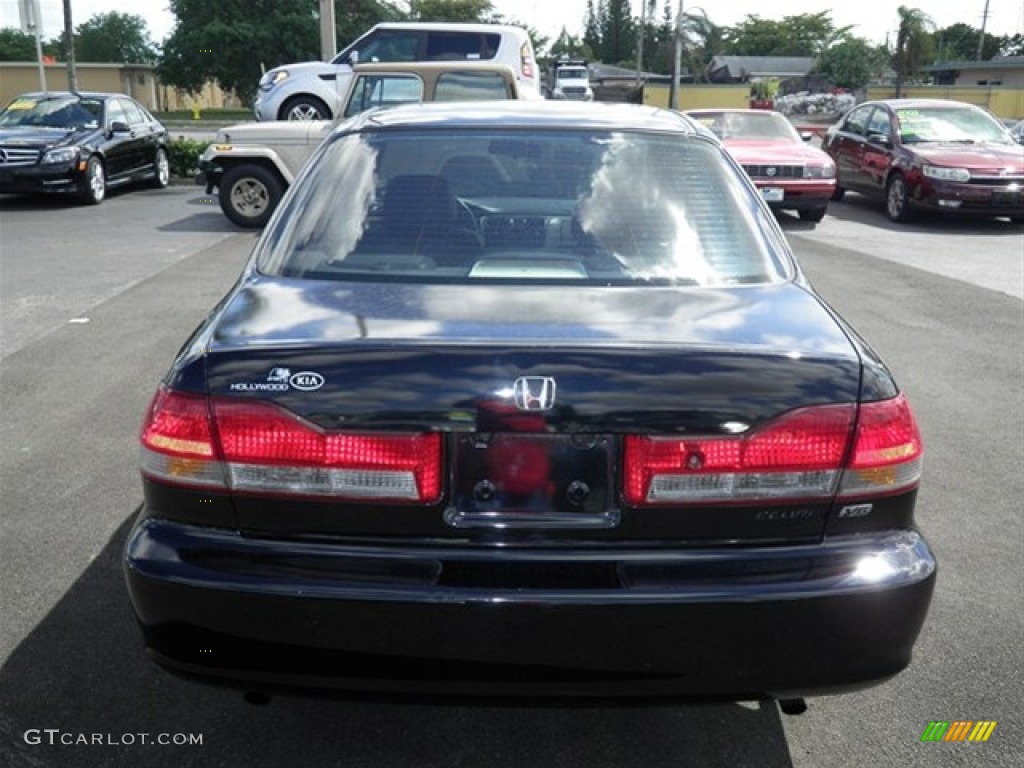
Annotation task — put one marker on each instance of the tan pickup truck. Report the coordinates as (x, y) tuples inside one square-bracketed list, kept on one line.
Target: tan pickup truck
[(253, 164)]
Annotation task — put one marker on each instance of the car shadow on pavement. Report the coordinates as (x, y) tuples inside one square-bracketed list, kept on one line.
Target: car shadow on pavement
[(790, 222), (62, 201), (210, 219), (864, 210), (80, 691)]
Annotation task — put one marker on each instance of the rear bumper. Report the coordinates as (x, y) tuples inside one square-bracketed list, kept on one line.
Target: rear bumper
[(732, 623)]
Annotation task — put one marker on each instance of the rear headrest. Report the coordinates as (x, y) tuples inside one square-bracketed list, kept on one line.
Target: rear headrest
[(419, 200)]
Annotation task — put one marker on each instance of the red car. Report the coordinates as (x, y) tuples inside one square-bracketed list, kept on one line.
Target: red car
[(928, 154), (789, 173)]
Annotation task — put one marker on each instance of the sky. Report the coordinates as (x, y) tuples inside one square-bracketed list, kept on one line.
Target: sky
[(872, 19)]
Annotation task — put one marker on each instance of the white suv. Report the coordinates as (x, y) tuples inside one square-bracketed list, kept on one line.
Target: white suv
[(313, 90)]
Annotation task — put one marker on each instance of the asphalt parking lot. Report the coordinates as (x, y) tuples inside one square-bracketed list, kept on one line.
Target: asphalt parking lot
[(94, 302)]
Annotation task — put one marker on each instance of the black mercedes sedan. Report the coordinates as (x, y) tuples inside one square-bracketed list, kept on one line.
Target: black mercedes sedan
[(80, 144), (528, 398)]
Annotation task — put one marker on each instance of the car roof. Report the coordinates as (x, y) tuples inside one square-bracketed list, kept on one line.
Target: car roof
[(921, 103), (453, 26), (730, 110), (83, 94), (529, 114)]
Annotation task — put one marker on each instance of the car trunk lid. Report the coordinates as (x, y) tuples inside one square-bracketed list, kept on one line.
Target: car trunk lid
[(533, 398)]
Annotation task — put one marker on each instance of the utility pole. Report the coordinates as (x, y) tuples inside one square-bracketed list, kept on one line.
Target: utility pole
[(328, 33), (69, 41), (640, 41), (981, 38), (31, 23), (677, 60)]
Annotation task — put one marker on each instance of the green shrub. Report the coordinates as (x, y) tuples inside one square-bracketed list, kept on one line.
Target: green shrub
[(184, 155)]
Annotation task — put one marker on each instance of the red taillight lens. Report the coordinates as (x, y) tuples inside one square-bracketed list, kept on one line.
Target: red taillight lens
[(259, 447), (799, 455), (178, 425), (888, 451), (268, 448), (177, 441)]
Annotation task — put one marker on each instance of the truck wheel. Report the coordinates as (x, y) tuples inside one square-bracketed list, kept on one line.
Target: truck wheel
[(305, 108), (249, 194)]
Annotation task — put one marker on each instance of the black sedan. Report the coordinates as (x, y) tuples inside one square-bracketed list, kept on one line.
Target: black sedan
[(528, 398), (80, 144)]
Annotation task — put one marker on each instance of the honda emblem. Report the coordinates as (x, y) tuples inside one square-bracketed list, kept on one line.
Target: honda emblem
[(534, 393)]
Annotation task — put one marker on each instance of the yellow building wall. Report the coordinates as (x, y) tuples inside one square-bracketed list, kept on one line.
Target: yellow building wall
[(135, 80), (212, 96), (693, 96), (138, 81), (1007, 103)]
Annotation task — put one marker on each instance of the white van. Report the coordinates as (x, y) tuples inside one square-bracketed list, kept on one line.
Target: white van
[(313, 90)]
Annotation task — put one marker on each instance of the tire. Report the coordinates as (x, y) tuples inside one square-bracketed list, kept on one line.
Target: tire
[(161, 169), (305, 108), (838, 194), (897, 206), (813, 214), (93, 187), (249, 194)]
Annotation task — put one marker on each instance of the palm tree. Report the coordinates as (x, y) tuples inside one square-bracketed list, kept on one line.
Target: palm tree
[(704, 40), (913, 41)]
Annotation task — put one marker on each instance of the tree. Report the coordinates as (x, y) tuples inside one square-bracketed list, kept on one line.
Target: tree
[(450, 10), (355, 17), (1012, 45), (801, 35), (569, 47), (851, 63), (15, 45), (592, 25), (618, 33), (115, 37), (913, 43), (959, 42), (233, 41), (702, 41)]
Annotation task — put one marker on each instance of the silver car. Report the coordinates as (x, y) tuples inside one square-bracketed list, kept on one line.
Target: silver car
[(314, 90)]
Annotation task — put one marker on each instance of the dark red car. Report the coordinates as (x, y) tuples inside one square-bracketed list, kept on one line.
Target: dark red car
[(789, 173), (928, 154)]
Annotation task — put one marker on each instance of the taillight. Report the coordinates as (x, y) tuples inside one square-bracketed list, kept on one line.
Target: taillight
[(177, 441), (259, 447), (804, 454), (526, 60), (887, 455)]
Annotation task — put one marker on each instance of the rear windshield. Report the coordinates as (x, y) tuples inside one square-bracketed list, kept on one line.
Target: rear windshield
[(510, 206)]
